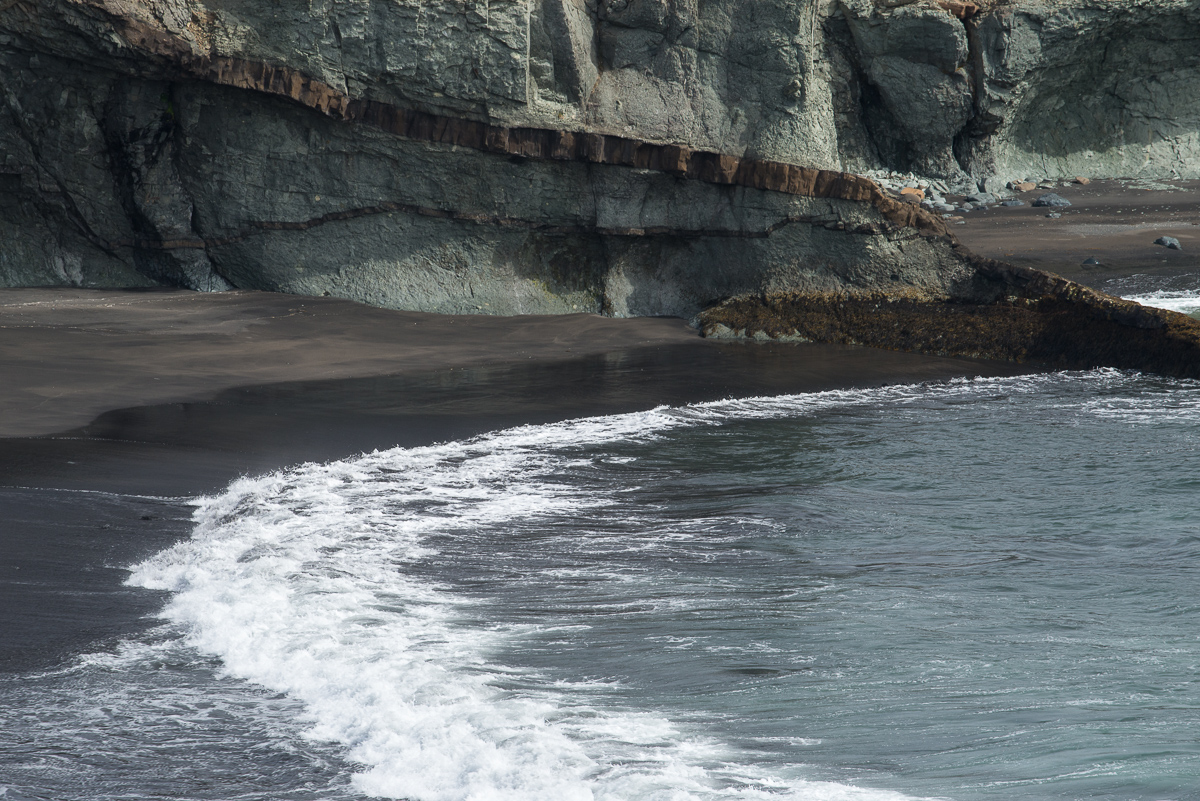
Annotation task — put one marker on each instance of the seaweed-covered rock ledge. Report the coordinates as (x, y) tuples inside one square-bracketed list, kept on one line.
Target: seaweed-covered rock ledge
[(1005, 312)]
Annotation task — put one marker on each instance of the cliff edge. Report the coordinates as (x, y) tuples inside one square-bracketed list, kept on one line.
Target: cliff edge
[(627, 157)]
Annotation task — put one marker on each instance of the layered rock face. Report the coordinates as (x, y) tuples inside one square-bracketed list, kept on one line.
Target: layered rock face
[(1053, 88), (515, 156), (273, 146)]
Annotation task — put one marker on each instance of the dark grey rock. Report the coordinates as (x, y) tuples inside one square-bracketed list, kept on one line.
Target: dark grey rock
[(1091, 262), (1053, 200), (1013, 203), (103, 147), (1169, 242), (916, 57), (263, 193), (982, 198)]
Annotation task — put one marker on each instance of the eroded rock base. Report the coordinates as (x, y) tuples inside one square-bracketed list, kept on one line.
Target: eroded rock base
[(1058, 331)]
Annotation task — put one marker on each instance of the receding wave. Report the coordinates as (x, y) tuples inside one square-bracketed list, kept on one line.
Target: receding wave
[(305, 581), (1185, 301)]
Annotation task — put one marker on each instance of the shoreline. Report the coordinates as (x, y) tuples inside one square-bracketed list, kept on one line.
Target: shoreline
[(115, 365), (101, 477)]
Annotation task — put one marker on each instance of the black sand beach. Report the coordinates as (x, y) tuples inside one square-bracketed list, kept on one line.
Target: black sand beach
[(262, 541), (1113, 222), (117, 406)]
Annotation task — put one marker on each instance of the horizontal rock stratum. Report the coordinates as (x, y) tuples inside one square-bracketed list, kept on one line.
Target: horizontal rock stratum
[(629, 157)]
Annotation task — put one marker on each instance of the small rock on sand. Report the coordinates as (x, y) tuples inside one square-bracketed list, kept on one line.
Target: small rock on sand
[(1169, 242), (1023, 186), (982, 198), (1082, 181), (1013, 203), (1051, 199), (1091, 262), (1054, 215)]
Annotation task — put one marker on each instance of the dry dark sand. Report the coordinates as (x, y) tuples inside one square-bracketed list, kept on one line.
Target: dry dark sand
[(1115, 222), (69, 354)]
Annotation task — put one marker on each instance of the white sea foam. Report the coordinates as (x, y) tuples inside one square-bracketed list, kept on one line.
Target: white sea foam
[(1186, 301), (1181, 405), (307, 582)]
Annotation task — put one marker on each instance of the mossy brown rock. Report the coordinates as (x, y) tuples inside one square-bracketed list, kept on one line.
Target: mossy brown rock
[(1048, 322)]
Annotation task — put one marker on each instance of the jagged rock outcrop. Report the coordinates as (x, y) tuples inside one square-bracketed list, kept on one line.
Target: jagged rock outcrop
[(1005, 313), (917, 58), (1106, 89), (515, 156)]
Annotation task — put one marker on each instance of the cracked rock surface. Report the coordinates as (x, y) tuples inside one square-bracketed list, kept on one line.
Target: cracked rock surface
[(236, 143)]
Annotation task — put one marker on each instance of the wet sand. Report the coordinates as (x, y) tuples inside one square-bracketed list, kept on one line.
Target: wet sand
[(71, 354), (204, 387), (118, 406), (1114, 222)]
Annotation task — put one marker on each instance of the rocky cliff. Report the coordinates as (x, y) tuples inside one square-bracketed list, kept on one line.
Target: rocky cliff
[(513, 156)]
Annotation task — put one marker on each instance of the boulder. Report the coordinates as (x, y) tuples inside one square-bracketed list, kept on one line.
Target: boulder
[(996, 186), (1169, 242), (916, 59), (1052, 200)]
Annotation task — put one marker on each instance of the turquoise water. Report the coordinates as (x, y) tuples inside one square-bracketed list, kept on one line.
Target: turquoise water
[(979, 590)]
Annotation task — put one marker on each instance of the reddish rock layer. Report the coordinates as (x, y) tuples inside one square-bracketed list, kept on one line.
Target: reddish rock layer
[(1014, 314), (533, 143)]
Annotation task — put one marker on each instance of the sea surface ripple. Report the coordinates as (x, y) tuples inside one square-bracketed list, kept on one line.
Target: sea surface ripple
[(984, 589)]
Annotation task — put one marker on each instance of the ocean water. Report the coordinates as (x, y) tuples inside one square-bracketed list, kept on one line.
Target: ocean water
[(1179, 293), (983, 589), (1186, 301)]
